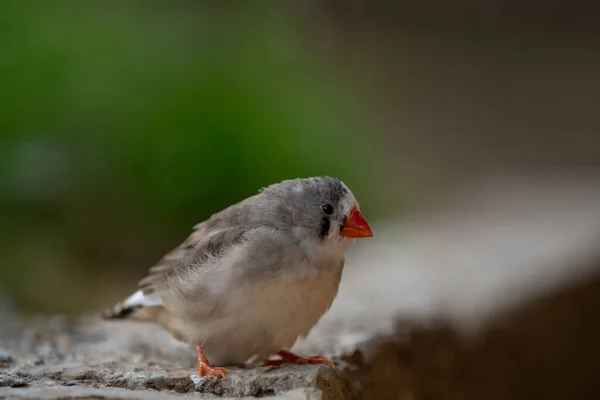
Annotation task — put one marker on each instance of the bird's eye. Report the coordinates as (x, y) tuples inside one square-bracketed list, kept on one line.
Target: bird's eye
[(327, 209)]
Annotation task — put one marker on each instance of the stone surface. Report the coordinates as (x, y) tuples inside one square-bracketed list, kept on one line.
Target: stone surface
[(56, 393), (140, 357)]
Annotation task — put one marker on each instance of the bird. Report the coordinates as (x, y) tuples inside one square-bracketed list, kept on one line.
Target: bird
[(253, 278)]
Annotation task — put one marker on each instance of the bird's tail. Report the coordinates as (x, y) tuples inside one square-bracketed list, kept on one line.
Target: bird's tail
[(127, 307), (118, 311)]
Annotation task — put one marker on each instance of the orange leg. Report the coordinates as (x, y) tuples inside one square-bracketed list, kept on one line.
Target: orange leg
[(290, 358), (204, 367)]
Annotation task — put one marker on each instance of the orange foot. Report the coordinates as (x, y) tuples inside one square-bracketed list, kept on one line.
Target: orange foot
[(204, 367), (290, 358), (219, 372)]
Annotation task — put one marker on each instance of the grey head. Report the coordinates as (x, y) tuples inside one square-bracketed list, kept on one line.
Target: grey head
[(322, 208)]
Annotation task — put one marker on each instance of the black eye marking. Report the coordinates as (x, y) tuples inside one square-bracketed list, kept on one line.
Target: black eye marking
[(324, 228), (327, 209)]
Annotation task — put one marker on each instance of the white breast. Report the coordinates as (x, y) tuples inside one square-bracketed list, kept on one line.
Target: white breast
[(259, 315), (295, 303), (268, 315)]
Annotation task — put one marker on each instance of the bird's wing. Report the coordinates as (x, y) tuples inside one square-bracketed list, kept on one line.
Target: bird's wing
[(214, 278), (194, 271), (208, 238), (195, 252)]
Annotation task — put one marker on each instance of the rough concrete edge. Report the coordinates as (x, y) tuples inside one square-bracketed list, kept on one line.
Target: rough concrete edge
[(52, 370), (330, 383), (287, 382), (61, 393)]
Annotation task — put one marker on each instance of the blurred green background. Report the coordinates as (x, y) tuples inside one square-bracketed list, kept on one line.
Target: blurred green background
[(124, 124)]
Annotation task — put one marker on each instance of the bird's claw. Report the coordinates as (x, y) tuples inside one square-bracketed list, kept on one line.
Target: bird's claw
[(320, 360), (290, 358), (219, 372)]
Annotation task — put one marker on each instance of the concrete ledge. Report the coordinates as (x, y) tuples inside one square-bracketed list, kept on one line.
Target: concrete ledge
[(93, 358)]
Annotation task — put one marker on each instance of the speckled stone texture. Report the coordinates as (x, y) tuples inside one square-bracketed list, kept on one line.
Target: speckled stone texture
[(58, 354)]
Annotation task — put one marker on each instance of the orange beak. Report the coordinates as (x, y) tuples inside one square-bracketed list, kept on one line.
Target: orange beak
[(356, 226)]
